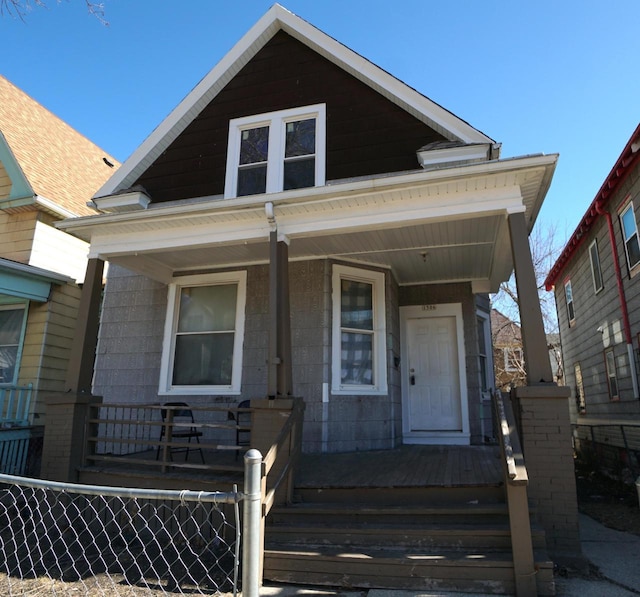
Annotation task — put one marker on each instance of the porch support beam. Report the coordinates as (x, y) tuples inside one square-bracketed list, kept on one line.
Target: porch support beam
[(85, 338), (279, 378), (536, 354)]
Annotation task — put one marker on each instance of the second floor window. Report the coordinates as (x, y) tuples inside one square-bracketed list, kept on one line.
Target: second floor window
[(12, 326), (596, 271), (277, 151), (630, 234), (568, 295)]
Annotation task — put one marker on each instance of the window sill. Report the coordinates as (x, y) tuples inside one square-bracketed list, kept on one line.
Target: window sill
[(359, 392), (208, 391)]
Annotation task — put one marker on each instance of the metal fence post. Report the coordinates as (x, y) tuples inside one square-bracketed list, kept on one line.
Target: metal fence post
[(252, 524)]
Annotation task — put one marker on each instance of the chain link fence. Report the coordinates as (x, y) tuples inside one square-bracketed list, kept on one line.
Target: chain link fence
[(65, 539)]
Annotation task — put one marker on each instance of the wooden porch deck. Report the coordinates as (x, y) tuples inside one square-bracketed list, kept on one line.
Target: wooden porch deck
[(409, 466), (406, 466)]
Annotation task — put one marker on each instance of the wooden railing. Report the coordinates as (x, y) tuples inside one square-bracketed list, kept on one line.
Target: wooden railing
[(516, 481), (282, 457), (137, 435)]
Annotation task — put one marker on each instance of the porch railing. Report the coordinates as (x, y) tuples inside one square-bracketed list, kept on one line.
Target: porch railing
[(611, 444), (16, 432), (516, 481), (126, 434)]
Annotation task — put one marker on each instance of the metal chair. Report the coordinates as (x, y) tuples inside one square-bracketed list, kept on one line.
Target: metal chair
[(243, 424), (180, 432)]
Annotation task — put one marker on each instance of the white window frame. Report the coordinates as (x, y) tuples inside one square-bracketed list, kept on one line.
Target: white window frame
[(377, 281), (596, 269), (518, 357), (276, 121), (568, 299), (611, 373), (626, 239), (24, 306), (171, 323)]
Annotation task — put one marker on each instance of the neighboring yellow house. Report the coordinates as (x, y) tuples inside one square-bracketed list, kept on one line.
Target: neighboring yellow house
[(48, 172)]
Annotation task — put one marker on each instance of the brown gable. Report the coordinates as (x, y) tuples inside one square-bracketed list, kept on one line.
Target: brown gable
[(60, 164), (366, 133)]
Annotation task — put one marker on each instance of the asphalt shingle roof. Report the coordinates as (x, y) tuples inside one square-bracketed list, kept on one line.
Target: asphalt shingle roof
[(60, 164)]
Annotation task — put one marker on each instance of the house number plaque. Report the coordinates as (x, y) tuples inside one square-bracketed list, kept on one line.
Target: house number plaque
[(428, 307)]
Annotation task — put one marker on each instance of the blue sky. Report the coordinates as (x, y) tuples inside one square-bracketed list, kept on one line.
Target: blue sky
[(550, 76)]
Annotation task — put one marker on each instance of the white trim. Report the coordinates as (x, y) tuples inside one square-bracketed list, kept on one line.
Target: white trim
[(625, 240), (377, 281), (276, 121), (168, 345), (570, 304), (22, 305), (275, 19), (461, 437)]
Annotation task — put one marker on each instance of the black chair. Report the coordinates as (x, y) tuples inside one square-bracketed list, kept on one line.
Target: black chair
[(243, 424), (181, 431)]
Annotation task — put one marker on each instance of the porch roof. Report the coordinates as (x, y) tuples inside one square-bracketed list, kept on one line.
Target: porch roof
[(445, 225)]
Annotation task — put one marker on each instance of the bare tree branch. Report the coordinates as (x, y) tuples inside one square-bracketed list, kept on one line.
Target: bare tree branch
[(21, 8)]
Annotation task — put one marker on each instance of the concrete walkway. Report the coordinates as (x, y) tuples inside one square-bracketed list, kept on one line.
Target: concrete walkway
[(616, 571)]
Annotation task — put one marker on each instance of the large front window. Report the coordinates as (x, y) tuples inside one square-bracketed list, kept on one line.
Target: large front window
[(274, 152), (12, 325), (204, 335), (359, 363)]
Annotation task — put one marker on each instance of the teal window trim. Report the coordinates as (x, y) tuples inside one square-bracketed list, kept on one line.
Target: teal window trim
[(23, 331)]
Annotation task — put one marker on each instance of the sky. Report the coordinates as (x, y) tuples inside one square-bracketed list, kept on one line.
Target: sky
[(543, 76)]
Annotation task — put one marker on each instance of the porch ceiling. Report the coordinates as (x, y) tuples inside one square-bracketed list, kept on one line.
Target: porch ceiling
[(427, 227)]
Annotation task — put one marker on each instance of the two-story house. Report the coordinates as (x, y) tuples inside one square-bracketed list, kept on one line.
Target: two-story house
[(595, 281), (305, 226)]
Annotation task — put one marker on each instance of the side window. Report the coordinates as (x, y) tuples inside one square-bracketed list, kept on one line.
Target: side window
[(13, 320), (596, 272), (277, 151), (204, 333), (581, 402), (359, 332), (630, 235), (484, 352), (513, 359), (612, 376), (568, 297)]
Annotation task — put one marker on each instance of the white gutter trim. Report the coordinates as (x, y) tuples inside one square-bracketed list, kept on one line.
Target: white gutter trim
[(50, 205), (300, 196)]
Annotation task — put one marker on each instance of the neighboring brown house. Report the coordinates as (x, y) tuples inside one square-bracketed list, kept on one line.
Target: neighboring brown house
[(597, 291), (508, 356), (48, 172)]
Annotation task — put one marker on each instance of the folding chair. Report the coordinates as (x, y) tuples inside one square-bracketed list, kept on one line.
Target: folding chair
[(180, 432)]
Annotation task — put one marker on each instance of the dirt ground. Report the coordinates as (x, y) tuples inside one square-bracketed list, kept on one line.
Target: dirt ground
[(607, 500)]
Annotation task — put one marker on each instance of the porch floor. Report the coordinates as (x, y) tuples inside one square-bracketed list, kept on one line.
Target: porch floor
[(406, 466)]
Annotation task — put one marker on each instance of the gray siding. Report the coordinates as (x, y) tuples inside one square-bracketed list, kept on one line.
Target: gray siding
[(582, 342), (131, 335)]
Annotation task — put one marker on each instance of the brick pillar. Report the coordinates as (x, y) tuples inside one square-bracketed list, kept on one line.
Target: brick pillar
[(64, 438), (545, 433)]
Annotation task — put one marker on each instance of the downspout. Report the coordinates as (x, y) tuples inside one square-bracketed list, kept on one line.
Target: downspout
[(621, 296)]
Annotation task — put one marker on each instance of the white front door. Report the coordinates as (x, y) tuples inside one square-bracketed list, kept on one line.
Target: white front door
[(434, 391)]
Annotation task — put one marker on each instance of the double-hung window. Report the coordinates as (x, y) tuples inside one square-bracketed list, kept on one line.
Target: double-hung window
[(612, 376), (359, 345), (513, 359), (630, 234), (275, 152), (568, 296), (596, 271), (204, 331), (13, 319)]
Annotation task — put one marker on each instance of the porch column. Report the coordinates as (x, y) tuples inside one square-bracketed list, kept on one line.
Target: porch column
[(534, 341), (64, 446), (85, 337), (279, 378), (542, 410)]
